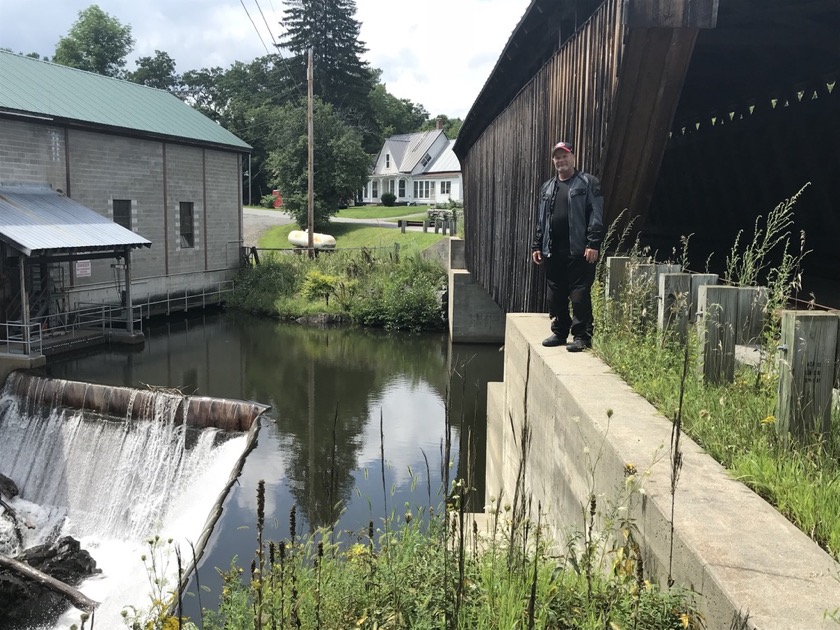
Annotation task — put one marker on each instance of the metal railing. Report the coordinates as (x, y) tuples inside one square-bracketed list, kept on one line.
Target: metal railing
[(15, 341), (183, 300), (92, 316)]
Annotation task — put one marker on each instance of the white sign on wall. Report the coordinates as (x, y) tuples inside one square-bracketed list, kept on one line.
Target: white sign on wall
[(83, 269)]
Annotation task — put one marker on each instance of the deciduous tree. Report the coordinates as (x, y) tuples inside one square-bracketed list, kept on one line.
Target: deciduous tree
[(97, 42), (157, 72), (341, 163)]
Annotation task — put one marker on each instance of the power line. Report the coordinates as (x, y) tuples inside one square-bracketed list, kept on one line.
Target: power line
[(268, 28), (242, 2), (277, 46)]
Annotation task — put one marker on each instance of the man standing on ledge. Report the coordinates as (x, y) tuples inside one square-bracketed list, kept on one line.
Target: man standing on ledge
[(570, 228)]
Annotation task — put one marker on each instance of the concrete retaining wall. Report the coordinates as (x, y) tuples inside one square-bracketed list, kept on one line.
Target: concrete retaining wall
[(473, 315), (742, 558)]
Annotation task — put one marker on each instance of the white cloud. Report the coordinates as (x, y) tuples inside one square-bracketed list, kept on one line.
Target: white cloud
[(437, 53)]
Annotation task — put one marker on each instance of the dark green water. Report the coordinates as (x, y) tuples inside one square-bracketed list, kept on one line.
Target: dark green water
[(339, 398)]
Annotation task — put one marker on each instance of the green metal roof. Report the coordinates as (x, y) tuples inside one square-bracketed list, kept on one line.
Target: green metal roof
[(39, 88)]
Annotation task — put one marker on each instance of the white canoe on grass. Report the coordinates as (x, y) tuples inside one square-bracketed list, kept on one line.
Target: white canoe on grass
[(300, 238)]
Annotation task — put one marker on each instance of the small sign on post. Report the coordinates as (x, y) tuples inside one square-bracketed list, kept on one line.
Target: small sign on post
[(806, 373), (716, 321)]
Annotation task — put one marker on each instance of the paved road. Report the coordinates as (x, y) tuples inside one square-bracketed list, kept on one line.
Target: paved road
[(255, 221)]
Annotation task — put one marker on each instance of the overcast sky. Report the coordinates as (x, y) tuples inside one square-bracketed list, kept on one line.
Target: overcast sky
[(437, 53)]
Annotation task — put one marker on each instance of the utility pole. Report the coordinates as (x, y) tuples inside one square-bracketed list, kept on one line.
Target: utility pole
[(310, 215)]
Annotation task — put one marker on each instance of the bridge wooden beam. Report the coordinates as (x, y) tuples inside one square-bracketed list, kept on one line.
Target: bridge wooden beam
[(654, 66), (672, 13)]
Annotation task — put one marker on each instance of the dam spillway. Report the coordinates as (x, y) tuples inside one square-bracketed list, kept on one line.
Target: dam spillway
[(114, 466)]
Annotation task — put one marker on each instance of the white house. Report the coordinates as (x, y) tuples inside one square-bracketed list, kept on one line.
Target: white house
[(419, 168)]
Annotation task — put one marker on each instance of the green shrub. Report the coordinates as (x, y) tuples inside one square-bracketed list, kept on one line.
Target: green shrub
[(318, 285), (257, 288), (371, 289), (388, 199), (267, 201)]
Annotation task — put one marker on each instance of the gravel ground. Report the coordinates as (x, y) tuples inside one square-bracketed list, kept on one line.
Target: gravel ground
[(255, 222)]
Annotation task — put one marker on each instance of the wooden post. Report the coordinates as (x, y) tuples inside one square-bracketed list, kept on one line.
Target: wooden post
[(806, 373), (674, 292), (665, 268), (837, 360), (752, 303), (616, 278), (699, 280), (402, 223), (425, 225), (310, 206), (716, 320), (641, 290)]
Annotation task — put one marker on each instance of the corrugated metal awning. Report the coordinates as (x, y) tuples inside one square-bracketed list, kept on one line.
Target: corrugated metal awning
[(36, 220)]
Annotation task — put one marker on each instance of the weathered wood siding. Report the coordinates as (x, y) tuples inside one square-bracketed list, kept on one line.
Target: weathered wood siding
[(612, 90), (569, 98)]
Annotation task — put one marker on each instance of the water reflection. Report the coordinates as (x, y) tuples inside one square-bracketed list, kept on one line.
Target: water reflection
[(340, 398)]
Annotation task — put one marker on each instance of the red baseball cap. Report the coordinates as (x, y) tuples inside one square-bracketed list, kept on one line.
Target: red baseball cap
[(566, 146)]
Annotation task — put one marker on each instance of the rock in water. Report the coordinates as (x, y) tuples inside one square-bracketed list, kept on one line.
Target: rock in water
[(20, 599), (8, 488)]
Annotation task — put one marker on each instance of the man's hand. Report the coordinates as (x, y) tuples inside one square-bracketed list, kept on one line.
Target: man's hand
[(591, 255), (536, 257)]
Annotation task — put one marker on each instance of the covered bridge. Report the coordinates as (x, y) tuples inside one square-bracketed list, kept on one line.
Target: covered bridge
[(697, 115)]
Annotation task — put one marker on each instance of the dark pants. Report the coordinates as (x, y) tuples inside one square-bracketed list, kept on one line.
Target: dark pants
[(570, 278)]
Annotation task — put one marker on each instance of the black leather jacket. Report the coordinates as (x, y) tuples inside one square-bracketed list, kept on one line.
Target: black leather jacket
[(586, 214)]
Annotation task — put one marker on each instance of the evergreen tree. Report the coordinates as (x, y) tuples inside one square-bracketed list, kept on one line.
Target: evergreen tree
[(340, 76)]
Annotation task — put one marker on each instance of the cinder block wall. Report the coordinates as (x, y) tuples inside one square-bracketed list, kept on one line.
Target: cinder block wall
[(96, 168), (741, 557)]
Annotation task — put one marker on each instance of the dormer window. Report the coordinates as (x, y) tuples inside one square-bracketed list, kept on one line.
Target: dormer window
[(426, 159), (387, 160)]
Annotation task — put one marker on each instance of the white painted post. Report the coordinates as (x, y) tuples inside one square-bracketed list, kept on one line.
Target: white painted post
[(806, 373), (718, 314), (674, 291)]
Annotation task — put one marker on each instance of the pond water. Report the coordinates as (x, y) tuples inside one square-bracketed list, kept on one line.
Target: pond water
[(339, 398)]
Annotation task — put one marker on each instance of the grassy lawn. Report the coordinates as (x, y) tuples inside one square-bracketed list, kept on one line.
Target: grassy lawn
[(381, 212), (349, 235)]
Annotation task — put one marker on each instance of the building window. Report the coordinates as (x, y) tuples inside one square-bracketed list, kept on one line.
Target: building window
[(446, 188), (387, 160), (402, 188), (122, 212), (186, 224), (423, 190), (391, 185), (374, 189), (426, 159)]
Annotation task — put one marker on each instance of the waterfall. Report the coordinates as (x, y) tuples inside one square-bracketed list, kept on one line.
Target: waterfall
[(113, 483)]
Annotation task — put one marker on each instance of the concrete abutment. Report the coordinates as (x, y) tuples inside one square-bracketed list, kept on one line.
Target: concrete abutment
[(742, 558)]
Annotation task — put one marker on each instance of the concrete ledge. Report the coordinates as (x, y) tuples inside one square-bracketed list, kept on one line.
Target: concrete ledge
[(11, 362), (473, 316), (731, 547)]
